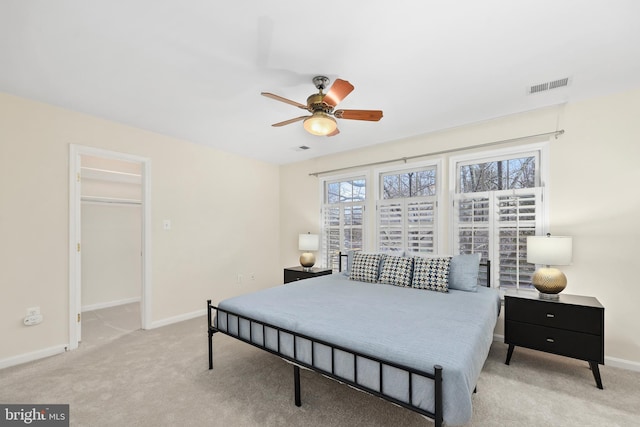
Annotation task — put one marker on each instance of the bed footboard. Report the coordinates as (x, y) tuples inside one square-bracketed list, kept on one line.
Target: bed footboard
[(330, 360)]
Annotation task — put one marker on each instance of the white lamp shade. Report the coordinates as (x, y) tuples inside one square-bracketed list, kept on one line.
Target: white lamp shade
[(549, 250), (308, 242)]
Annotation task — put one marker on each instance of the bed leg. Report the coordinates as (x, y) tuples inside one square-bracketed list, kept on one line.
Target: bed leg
[(296, 384), (210, 332), (438, 396)]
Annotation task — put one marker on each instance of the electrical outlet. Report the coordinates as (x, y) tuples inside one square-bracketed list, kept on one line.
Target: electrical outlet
[(33, 311), (252, 276), (33, 320), (239, 279)]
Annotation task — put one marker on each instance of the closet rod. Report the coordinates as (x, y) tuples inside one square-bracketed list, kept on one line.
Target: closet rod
[(110, 200), (556, 134)]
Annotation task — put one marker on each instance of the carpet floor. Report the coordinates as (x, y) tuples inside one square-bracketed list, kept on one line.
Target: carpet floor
[(160, 378)]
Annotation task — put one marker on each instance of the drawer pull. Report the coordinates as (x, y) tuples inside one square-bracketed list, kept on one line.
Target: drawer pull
[(551, 315), (551, 340)]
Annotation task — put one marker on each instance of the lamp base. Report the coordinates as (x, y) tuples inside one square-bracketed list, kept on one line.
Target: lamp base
[(307, 260), (549, 282)]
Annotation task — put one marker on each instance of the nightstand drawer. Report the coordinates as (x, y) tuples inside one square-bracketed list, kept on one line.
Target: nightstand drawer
[(292, 276), (559, 341), (570, 317)]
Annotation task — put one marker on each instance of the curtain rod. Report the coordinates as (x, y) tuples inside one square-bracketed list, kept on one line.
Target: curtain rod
[(556, 134)]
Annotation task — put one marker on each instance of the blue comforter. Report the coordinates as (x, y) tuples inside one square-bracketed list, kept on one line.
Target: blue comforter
[(412, 327)]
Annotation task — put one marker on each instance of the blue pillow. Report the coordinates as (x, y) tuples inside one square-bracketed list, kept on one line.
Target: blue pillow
[(463, 274), (347, 269)]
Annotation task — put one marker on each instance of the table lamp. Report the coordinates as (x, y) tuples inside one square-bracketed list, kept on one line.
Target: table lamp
[(549, 250), (307, 243)]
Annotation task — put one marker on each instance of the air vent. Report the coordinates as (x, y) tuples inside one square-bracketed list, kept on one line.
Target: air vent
[(301, 148), (542, 87)]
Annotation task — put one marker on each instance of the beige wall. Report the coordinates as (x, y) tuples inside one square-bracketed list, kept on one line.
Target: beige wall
[(592, 188), (220, 230), (225, 220)]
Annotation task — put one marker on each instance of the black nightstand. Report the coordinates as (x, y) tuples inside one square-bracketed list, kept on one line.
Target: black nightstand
[(292, 274), (571, 326)]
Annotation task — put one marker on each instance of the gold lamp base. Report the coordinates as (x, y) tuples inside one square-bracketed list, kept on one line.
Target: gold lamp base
[(307, 260), (549, 282)]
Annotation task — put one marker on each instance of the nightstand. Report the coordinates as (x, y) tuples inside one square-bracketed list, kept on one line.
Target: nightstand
[(571, 326), (292, 274)]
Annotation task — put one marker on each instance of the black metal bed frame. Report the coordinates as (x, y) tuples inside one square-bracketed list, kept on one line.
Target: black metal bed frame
[(436, 376)]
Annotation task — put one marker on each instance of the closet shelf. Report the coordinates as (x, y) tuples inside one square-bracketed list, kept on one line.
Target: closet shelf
[(108, 175)]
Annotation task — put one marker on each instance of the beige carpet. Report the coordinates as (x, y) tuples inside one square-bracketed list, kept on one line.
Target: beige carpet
[(107, 324), (160, 378)]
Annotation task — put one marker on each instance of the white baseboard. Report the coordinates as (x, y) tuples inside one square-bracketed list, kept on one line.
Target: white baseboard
[(34, 355), (52, 351), (101, 305), (608, 360), (179, 318), (622, 363)]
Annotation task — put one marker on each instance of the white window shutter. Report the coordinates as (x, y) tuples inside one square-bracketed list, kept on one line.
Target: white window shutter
[(518, 216), (420, 224), (391, 225), (407, 224), (496, 224), (331, 234), (342, 230), (473, 219)]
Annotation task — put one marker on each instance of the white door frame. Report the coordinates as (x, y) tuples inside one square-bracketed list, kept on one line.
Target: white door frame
[(75, 272)]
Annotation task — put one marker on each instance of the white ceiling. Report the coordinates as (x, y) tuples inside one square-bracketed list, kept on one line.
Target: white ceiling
[(195, 69)]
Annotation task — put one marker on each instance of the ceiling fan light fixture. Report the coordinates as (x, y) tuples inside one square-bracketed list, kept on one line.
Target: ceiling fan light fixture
[(320, 123)]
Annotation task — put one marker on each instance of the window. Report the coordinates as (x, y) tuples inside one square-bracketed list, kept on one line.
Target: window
[(342, 218), (406, 210), (497, 204)]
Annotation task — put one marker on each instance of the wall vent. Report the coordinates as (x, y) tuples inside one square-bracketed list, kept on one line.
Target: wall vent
[(542, 87)]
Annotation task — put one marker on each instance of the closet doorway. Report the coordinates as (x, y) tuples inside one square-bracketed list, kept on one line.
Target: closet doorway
[(109, 213)]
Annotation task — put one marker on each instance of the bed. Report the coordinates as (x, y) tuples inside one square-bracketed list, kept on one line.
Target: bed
[(418, 348)]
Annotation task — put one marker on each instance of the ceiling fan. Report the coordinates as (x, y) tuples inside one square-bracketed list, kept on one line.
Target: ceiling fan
[(321, 106)]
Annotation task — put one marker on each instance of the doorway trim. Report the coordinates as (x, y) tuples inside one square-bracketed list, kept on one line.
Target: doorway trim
[(75, 222)]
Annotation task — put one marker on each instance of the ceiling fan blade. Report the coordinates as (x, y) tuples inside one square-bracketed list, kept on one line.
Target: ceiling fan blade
[(338, 92), (288, 122), (334, 133), (369, 115), (285, 100)]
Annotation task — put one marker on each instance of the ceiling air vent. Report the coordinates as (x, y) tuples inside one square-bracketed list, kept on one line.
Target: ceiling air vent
[(542, 87), (301, 148)]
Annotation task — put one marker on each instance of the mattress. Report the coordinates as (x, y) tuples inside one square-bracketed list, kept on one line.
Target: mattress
[(411, 327)]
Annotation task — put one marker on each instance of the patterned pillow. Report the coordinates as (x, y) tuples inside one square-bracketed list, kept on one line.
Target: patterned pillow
[(365, 267), (396, 270), (431, 273)]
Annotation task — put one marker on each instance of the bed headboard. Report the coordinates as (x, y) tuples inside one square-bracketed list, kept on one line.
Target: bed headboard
[(484, 266)]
